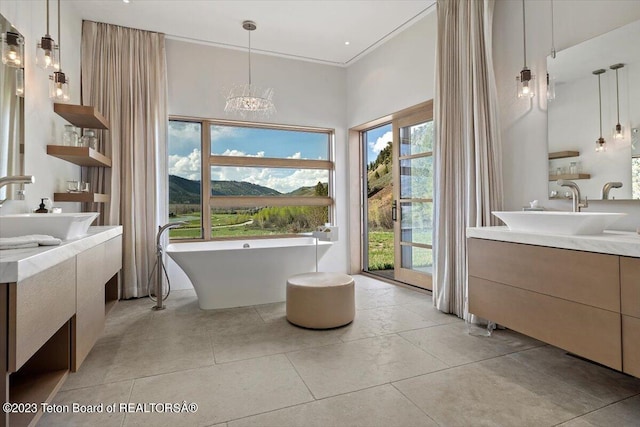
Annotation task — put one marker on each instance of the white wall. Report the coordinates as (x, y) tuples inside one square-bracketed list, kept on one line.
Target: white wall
[(524, 124), (306, 94), (42, 125), (397, 75)]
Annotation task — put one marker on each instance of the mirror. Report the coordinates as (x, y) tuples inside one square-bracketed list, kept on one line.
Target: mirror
[(11, 118), (574, 115)]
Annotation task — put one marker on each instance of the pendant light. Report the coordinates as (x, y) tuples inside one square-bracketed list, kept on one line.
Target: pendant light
[(525, 78), (12, 49), (47, 50), (247, 98), (601, 144), (20, 82), (618, 130), (551, 87), (58, 81)]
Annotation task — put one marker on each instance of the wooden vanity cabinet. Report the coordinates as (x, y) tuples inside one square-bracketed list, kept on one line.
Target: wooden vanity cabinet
[(570, 299), (630, 307)]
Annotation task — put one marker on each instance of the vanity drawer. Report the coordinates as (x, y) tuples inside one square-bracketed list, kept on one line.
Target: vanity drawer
[(39, 306), (631, 345), (581, 329), (113, 262), (585, 277), (630, 282)]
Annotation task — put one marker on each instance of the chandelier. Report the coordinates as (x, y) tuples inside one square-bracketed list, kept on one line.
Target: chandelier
[(248, 98)]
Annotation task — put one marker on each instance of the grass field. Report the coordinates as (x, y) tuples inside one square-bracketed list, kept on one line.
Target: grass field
[(380, 250)]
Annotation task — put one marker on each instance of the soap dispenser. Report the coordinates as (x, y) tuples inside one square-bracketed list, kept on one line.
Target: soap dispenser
[(42, 209)]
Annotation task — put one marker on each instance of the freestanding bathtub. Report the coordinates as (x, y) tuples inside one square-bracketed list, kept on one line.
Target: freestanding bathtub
[(236, 273)]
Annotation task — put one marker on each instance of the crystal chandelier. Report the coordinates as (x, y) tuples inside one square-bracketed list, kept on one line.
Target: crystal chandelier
[(246, 98)]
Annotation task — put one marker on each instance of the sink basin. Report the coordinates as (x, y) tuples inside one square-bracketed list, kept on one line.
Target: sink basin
[(571, 223), (63, 226)]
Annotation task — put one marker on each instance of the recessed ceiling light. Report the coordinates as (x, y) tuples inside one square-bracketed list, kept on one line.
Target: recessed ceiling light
[(346, 43), (126, 1)]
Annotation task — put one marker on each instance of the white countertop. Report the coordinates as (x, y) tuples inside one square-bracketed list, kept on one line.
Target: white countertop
[(625, 243), (18, 264)]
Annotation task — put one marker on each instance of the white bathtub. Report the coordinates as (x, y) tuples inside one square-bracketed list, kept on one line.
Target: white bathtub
[(225, 274)]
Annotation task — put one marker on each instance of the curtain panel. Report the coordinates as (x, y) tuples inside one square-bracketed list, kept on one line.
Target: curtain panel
[(124, 75), (468, 172)]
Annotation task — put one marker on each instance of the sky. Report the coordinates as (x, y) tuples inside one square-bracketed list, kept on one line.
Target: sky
[(184, 154), (377, 140)]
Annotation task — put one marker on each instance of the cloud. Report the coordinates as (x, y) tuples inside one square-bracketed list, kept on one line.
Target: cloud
[(282, 180), (381, 142), (239, 153), (297, 155), (186, 167)]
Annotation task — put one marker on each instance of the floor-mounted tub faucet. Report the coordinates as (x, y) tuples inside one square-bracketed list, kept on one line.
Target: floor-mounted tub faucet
[(17, 179), (608, 186), (575, 192)]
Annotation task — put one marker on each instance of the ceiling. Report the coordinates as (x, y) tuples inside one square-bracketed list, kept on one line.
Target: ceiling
[(313, 30)]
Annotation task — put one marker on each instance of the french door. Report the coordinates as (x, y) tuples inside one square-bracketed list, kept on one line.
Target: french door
[(412, 205)]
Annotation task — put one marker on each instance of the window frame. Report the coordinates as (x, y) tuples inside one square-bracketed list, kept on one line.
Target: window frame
[(208, 160)]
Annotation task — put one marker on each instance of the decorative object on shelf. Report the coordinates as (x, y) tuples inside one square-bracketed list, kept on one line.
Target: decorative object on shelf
[(47, 50), (73, 186), (12, 49), (618, 130), (573, 168), (58, 81), (89, 139), (246, 98), (70, 136), (20, 82), (525, 79), (601, 144)]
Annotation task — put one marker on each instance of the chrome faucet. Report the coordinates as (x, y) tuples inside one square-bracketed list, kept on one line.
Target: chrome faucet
[(160, 266), (608, 186), (575, 193), (16, 179)]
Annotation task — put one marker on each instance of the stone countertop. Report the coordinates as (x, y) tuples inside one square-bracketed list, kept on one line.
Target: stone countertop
[(18, 264), (625, 243)]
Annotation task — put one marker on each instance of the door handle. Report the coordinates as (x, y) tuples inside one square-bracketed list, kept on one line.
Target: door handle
[(394, 211)]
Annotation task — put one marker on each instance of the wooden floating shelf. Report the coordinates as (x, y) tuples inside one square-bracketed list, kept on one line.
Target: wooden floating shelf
[(83, 116), (563, 154), (570, 176), (83, 156), (81, 197)]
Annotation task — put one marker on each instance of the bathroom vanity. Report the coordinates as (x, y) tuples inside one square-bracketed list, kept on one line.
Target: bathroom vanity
[(579, 293), (53, 303)]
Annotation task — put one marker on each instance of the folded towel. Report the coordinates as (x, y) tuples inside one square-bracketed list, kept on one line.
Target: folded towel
[(30, 241)]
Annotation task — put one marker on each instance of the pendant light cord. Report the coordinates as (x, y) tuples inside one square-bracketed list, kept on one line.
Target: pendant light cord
[(617, 97), (249, 31), (47, 17), (59, 40), (600, 104), (553, 38), (524, 36)]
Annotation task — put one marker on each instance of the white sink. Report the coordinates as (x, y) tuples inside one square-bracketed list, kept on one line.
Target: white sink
[(547, 222), (63, 226)]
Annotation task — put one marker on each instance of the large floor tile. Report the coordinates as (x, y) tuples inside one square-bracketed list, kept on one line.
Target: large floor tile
[(158, 356), (603, 383), (366, 282), (374, 298), (103, 394), (271, 312), (342, 368), (222, 392), (380, 406), (470, 396), (278, 336), (93, 370), (452, 343), (625, 413), (231, 321)]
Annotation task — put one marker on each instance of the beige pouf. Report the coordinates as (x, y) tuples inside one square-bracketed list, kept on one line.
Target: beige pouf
[(320, 300)]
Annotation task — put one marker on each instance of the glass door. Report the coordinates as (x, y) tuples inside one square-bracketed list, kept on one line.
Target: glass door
[(412, 208)]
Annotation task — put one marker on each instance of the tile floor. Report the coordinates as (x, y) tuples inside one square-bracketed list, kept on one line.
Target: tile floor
[(400, 363)]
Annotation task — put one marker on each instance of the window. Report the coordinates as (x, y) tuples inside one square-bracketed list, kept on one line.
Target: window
[(259, 180)]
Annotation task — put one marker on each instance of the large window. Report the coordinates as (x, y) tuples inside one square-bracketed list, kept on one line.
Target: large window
[(256, 179)]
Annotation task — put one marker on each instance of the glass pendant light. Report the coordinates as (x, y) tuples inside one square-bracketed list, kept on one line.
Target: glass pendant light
[(601, 144), (58, 81), (525, 79), (47, 50), (618, 130), (20, 82), (13, 49)]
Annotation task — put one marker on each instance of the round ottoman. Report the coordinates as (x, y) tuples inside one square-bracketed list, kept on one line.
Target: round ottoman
[(320, 300)]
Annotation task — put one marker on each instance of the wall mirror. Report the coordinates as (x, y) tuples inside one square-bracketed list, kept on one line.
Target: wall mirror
[(579, 106), (11, 116)]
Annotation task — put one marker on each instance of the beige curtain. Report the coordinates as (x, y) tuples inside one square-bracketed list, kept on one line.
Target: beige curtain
[(124, 75), (468, 175)]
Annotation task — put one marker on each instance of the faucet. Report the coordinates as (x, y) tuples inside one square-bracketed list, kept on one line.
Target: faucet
[(160, 266), (608, 186), (575, 193), (17, 179)]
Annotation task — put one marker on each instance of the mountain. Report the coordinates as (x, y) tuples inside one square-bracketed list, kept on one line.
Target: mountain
[(310, 191), (186, 191)]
